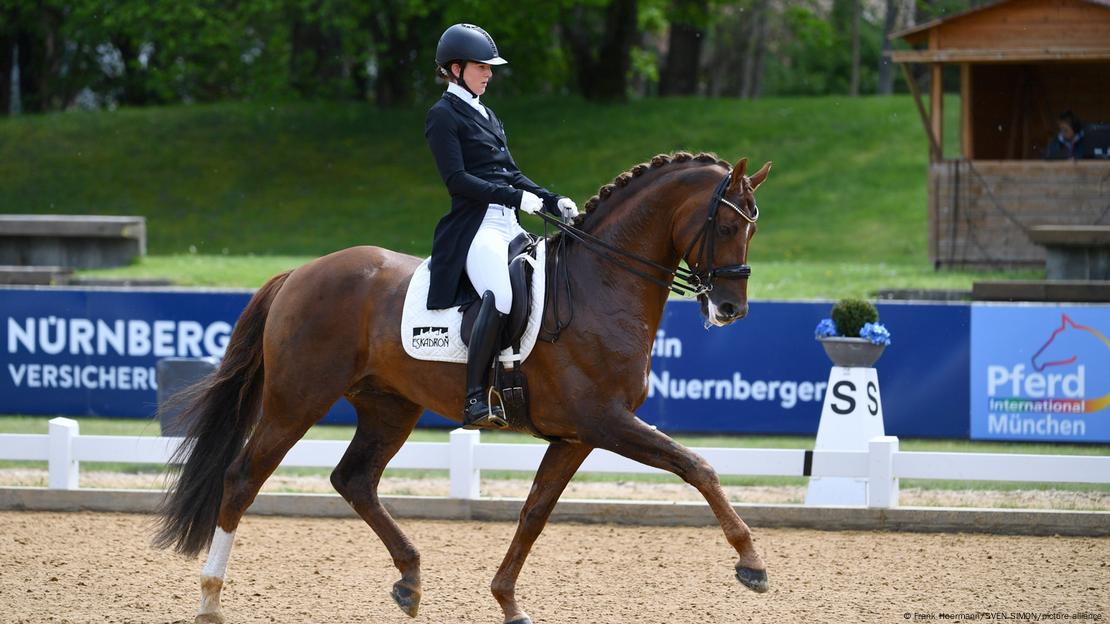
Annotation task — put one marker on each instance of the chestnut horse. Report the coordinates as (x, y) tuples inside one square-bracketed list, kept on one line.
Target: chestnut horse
[(330, 329)]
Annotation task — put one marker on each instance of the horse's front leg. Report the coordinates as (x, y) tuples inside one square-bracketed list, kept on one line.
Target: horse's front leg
[(627, 435), (559, 464)]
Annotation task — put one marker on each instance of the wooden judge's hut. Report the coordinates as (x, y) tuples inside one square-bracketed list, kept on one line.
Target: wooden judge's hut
[(1021, 63)]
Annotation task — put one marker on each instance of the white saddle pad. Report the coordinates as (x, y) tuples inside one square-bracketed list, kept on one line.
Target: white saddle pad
[(435, 335)]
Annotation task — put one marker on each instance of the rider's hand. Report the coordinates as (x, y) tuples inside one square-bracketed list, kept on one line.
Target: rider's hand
[(530, 203), (567, 208)]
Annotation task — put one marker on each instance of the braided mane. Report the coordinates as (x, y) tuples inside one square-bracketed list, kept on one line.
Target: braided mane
[(657, 162)]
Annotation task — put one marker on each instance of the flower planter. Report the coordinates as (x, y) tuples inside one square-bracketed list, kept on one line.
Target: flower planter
[(852, 352)]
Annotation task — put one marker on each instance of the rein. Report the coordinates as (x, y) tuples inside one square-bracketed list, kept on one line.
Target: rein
[(682, 281)]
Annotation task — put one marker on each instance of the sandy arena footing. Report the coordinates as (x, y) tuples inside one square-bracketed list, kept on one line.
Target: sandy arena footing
[(99, 567)]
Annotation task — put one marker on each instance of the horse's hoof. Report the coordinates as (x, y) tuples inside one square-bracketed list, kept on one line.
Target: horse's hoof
[(755, 580), (524, 619), (209, 618), (406, 597)]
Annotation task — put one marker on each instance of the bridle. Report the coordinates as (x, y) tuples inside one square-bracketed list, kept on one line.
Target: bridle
[(698, 281), (686, 282)]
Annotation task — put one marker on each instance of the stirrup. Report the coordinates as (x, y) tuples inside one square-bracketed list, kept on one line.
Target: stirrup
[(489, 419)]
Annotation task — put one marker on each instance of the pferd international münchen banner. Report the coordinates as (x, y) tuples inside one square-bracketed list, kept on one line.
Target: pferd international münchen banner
[(1040, 372)]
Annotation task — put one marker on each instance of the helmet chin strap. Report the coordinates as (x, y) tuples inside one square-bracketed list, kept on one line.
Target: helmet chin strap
[(459, 79)]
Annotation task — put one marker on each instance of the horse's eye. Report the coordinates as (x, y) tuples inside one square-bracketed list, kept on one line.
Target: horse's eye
[(726, 230)]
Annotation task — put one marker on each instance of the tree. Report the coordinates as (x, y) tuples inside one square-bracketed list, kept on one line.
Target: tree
[(317, 62), (737, 49), (756, 47), (886, 67), (403, 35), (853, 87), (32, 33), (688, 20), (7, 56), (600, 42)]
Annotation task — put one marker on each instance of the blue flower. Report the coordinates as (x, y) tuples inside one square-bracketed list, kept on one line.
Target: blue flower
[(875, 332), (825, 329)]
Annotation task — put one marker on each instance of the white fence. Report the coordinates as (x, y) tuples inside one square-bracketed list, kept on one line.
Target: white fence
[(465, 456)]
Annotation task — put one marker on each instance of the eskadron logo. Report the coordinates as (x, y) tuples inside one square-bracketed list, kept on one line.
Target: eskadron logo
[(430, 338), (1035, 399)]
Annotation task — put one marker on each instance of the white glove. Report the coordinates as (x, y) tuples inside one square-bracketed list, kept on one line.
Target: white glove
[(530, 203), (567, 208)]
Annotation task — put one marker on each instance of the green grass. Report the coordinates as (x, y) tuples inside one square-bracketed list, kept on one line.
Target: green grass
[(310, 177), (773, 279), (204, 270), (236, 192), (110, 426), (814, 279)]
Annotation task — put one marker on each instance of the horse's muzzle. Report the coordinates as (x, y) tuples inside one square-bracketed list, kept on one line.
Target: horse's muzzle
[(728, 311), (723, 313)]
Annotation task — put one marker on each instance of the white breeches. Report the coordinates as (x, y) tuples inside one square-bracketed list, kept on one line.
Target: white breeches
[(488, 257)]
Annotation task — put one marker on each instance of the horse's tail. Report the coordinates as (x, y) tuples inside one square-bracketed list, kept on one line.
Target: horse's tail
[(221, 411)]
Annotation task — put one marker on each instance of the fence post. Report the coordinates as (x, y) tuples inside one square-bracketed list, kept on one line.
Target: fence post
[(882, 487), (466, 478), (63, 467)]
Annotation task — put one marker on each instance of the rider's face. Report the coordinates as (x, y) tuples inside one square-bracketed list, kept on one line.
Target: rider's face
[(477, 76), (1066, 131)]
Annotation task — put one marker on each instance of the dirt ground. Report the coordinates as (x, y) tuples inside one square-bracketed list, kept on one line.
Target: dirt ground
[(58, 567)]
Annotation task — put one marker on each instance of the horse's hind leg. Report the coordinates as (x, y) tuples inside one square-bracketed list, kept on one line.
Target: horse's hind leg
[(384, 422), (279, 429)]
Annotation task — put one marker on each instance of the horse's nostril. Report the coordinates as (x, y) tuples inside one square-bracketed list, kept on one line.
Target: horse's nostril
[(727, 310)]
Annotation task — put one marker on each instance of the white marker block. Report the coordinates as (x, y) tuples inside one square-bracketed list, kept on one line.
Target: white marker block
[(851, 416)]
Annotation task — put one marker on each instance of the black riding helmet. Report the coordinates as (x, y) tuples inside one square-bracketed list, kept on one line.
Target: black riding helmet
[(463, 43)]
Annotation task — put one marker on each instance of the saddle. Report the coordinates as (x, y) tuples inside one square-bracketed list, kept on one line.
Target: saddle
[(522, 256)]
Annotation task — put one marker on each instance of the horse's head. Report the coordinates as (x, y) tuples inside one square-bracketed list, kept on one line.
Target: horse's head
[(712, 233), (1058, 352)]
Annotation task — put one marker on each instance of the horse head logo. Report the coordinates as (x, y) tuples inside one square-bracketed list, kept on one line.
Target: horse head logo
[(1062, 346)]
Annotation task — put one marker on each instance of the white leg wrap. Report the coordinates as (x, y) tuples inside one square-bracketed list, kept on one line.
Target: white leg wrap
[(218, 553), (211, 577)]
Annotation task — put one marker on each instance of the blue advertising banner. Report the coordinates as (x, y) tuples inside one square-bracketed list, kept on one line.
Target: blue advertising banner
[(767, 374), (1040, 373), (93, 352), (81, 351)]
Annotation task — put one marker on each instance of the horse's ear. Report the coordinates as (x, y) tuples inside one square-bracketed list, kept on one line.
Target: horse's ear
[(759, 176), (738, 170)]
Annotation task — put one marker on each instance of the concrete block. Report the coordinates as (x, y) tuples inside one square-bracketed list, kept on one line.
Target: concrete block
[(79, 241), (173, 376)]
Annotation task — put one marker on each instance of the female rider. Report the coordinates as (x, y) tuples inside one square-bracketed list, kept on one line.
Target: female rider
[(470, 249)]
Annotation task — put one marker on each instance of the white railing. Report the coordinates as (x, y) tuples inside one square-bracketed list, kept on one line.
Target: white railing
[(464, 457)]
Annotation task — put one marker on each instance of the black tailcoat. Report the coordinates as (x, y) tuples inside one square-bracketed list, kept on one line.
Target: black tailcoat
[(474, 161)]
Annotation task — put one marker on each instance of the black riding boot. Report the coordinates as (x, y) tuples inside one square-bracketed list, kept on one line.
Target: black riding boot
[(484, 340)]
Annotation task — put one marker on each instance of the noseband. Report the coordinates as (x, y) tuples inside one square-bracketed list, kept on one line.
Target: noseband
[(685, 282)]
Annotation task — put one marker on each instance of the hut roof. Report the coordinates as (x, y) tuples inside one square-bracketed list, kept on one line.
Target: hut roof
[(1014, 31)]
